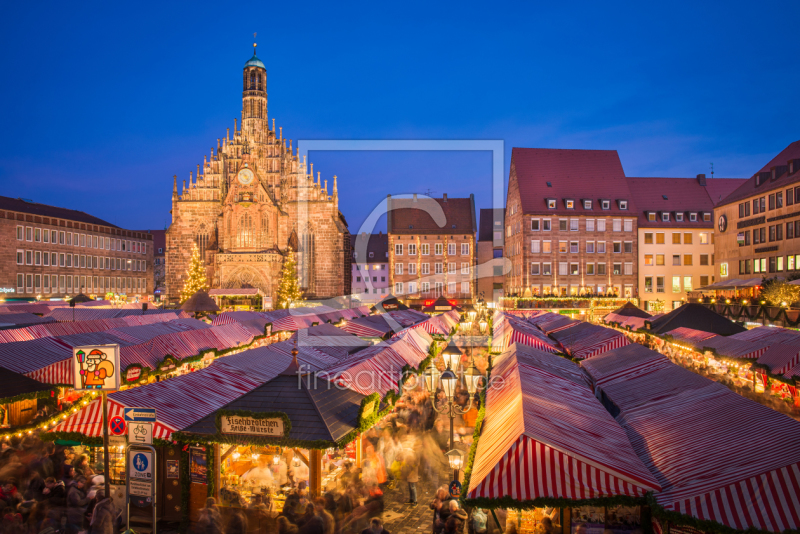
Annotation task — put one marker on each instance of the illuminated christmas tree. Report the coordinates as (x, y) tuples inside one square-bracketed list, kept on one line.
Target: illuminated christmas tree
[(289, 288), (196, 280)]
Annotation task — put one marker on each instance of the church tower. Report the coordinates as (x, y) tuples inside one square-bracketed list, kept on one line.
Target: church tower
[(254, 100)]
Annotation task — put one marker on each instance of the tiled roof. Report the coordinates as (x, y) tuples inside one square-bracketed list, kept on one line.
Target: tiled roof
[(719, 188), (784, 179), (432, 215), (377, 244), (572, 174), (44, 210), (485, 230), (683, 195)]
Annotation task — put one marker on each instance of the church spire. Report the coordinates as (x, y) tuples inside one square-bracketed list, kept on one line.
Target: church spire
[(174, 186)]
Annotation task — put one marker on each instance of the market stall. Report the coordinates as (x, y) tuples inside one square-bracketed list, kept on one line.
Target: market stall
[(286, 434), (739, 461), (548, 449)]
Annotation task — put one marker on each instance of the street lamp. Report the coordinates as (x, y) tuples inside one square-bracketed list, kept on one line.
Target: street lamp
[(483, 324), (449, 380), (456, 459)]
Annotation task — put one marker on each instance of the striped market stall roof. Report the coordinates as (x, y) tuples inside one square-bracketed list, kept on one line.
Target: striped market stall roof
[(780, 358), (726, 347), (717, 455), (22, 319), (384, 324), (586, 340), (545, 436), (378, 368), (440, 324), (690, 336), (179, 401), (527, 334), (636, 323), (88, 314), (38, 308), (47, 360), (560, 322)]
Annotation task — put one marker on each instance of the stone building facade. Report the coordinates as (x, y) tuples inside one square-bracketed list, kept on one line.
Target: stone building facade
[(432, 249), (370, 274), (490, 269), (54, 253), (252, 200), (570, 224)]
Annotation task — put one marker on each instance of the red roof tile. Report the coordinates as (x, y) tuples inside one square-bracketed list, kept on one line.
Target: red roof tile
[(45, 210), (784, 179), (432, 215), (672, 195), (573, 174)]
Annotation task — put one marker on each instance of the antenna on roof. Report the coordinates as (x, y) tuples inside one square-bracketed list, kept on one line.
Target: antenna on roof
[(712, 169), (429, 192)]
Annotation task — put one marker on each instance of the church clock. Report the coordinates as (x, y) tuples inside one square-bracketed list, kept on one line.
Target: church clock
[(246, 176)]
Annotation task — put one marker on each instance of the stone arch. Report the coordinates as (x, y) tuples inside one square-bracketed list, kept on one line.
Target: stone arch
[(244, 277)]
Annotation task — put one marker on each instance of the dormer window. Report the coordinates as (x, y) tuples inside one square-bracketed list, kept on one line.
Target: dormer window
[(651, 216), (551, 203), (679, 217), (693, 217), (570, 204), (605, 204), (623, 204), (587, 204), (665, 217), (707, 217), (371, 254)]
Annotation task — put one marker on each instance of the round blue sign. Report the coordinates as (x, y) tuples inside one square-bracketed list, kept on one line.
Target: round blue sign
[(140, 462)]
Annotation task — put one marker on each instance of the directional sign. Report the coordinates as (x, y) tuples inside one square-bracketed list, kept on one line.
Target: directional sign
[(117, 426), (141, 467), (145, 415), (140, 433)]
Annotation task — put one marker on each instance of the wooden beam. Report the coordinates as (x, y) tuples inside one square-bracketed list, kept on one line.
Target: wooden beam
[(227, 453), (315, 473), (302, 457), (216, 473)]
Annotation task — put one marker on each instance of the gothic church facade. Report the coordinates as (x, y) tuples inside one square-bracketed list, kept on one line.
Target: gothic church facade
[(253, 200)]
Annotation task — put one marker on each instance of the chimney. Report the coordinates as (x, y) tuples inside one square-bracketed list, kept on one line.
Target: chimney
[(415, 197), (444, 197), (363, 236), (701, 179)]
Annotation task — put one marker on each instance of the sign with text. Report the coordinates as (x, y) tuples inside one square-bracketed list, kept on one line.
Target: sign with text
[(271, 427), (141, 467), (146, 415), (96, 367)]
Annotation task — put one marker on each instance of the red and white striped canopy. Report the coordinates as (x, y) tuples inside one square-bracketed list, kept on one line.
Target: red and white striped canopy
[(586, 340), (717, 455), (545, 435), (509, 329)]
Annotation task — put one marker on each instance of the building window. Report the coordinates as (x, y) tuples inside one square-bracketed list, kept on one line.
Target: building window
[(551, 203), (676, 284), (438, 248), (651, 216), (676, 238), (723, 269), (412, 269), (535, 225), (20, 257), (616, 225), (659, 259), (451, 249), (398, 288), (451, 268), (412, 250), (648, 284), (573, 247), (587, 204), (628, 225), (687, 238), (20, 233), (687, 259), (623, 204), (665, 217), (601, 269), (704, 237), (659, 284), (574, 269), (676, 259), (703, 259), (605, 204), (601, 247), (398, 249), (535, 268), (687, 283), (425, 249), (648, 238), (563, 268), (465, 288), (704, 280), (426, 268), (590, 269), (590, 225), (547, 269), (617, 247), (617, 268), (627, 247), (648, 259), (573, 225), (562, 247), (628, 268), (601, 225), (707, 217), (590, 247), (780, 263), (692, 217), (437, 268), (398, 268), (570, 204)]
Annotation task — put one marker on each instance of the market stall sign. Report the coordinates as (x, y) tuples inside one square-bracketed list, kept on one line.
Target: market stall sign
[(270, 427), (133, 374)]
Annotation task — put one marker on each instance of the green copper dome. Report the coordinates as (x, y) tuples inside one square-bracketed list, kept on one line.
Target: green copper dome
[(254, 62)]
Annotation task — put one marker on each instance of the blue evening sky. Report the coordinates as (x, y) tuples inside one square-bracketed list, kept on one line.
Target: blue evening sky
[(103, 102)]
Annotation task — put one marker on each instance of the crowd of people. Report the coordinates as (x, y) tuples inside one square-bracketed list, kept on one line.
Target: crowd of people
[(49, 489)]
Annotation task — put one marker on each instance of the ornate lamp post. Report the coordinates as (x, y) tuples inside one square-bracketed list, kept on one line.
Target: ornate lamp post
[(448, 380)]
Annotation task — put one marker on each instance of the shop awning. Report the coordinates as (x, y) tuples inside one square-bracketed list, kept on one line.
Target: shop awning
[(717, 455), (545, 436), (735, 283), (83, 313), (509, 329), (439, 324), (384, 324), (586, 340)]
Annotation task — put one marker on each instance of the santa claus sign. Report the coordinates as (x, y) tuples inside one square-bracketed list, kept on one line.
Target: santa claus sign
[(96, 367)]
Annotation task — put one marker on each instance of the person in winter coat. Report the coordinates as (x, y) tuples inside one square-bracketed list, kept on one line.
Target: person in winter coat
[(237, 524), (411, 468), (9, 496), (456, 519), (104, 515), (76, 505), (54, 493)]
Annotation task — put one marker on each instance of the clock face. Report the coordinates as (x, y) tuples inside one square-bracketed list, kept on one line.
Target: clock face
[(246, 176), (722, 223)]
